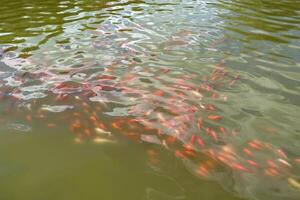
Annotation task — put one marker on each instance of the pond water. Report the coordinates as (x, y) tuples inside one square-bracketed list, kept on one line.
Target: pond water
[(151, 100)]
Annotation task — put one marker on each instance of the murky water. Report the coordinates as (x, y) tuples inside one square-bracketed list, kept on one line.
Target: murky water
[(150, 99)]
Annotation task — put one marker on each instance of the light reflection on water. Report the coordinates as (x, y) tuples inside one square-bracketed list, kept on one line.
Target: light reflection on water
[(151, 99)]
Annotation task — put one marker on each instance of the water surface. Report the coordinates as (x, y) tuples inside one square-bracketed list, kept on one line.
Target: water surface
[(149, 99)]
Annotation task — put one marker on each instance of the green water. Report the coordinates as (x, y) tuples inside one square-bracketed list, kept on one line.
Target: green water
[(92, 94)]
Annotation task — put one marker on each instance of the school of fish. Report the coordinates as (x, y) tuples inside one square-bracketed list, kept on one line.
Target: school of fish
[(149, 105)]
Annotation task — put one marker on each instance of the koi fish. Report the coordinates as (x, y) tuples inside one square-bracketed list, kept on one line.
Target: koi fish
[(214, 117), (100, 131), (99, 140)]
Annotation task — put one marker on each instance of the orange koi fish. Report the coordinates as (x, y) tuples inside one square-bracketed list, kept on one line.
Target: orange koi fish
[(179, 154), (247, 152), (200, 123), (214, 117), (200, 142), (252, 163), (212, 133), (239, 167)]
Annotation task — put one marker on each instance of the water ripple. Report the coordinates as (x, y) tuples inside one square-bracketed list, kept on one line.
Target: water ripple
[(216, 83)]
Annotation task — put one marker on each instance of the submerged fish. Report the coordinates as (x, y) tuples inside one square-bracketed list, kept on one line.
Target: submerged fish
[(155, 106), (99, 140)]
